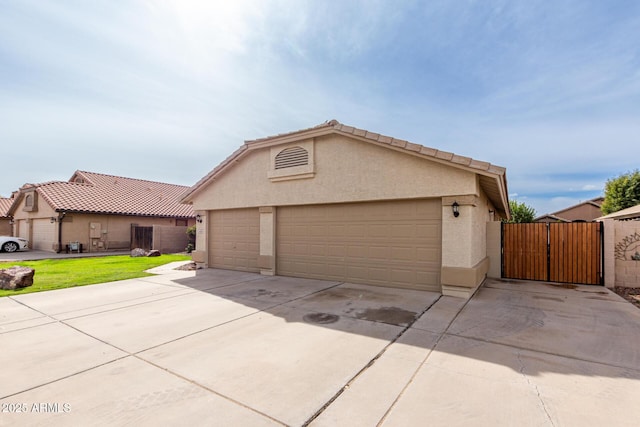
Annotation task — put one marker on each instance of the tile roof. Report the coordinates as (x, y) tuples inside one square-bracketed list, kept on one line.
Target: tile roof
[(91, 192), (625, 214), (493, 178), (5, 204)]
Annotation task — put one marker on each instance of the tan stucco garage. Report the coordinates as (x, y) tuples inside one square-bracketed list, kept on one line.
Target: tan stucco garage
[(340, 203)]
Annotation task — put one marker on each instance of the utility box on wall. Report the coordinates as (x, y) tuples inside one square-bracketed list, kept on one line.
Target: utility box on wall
[(95, 230)]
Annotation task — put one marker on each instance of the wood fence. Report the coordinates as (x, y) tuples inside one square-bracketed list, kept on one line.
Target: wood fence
[(554, 252)]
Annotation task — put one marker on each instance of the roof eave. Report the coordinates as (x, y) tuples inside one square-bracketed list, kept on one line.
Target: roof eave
[(148, 215)]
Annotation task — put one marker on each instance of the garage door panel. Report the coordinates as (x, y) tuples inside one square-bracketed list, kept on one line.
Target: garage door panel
[(378, 252), (377, 231), (429, 255), (429, 210), (384, 243), (427, 277), (235, 239), (425, 230), (336, 251), (318, 250), (336, 271), (403, 276), (401, 254), (357, 251), (361, 273), (403, 231)]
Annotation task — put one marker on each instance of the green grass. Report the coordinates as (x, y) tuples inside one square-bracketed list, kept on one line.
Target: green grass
[(67, 273)]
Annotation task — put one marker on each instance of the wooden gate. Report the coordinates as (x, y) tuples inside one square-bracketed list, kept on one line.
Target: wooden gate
[(141, 237), (553, 252)]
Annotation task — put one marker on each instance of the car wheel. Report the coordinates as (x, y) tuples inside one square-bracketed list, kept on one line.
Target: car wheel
[(10, 247)]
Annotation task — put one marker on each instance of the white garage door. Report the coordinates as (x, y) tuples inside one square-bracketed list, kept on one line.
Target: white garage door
[(234, 239), (43, 234), (379, 243)]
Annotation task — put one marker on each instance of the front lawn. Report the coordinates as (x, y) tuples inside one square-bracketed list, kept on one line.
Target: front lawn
[(67, 273)]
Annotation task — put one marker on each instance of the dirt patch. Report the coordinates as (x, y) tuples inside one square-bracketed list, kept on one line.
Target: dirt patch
[(630, 294)]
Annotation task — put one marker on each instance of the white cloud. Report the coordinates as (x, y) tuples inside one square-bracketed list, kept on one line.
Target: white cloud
[(591, 187)]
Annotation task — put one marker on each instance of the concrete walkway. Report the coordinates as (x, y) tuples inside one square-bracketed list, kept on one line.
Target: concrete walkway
[(216, 347)]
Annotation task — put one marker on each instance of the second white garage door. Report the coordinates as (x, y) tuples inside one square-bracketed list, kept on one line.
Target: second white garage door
[(379, 243)]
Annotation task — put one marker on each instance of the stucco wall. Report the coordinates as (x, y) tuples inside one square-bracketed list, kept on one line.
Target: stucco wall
[(494, 249), (114, 231), (480, 216), (5, 227), (626, 253), (346, 170), (170, 239), (464, 240)]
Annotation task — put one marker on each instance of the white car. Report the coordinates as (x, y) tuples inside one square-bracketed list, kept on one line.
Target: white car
[(12, 244)]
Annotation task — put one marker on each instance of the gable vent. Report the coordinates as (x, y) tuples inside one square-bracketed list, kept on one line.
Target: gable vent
[(291, 157)]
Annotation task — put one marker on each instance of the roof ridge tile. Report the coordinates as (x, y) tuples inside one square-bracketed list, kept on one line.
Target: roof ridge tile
[(445, 155)]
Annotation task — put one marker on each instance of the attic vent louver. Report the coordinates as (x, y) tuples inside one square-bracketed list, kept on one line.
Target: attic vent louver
[(291, 157)]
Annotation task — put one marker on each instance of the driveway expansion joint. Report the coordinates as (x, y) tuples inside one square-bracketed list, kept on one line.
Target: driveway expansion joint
[(534, 387), (438, 339), (368, 365)]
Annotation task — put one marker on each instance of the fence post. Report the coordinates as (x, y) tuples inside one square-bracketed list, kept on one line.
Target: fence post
[(501, 249)]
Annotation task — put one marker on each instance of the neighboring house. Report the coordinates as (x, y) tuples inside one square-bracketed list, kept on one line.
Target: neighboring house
[(632, 213), (339, 203), (5, 219), (101, 213), (584, 211)]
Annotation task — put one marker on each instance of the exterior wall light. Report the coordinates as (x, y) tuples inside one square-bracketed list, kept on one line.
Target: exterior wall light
[(456, 211), (53, 219), (199, 218)]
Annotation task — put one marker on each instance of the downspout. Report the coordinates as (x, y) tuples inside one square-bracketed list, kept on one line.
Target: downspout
[(60, 218)]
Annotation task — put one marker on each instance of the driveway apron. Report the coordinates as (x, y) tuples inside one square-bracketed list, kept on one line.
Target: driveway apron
[(217, 347)]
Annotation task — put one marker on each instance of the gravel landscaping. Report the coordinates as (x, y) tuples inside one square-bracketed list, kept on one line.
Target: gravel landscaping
[(630, 294)]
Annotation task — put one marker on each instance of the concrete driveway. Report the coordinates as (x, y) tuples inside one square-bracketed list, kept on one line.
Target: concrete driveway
[(218, 347)]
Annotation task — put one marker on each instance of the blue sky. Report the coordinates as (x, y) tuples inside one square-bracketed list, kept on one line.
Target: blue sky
[(165, 90)]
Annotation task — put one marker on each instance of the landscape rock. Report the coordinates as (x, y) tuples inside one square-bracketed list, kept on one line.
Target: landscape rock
[(138, 252), (154, 252), (16, 277)]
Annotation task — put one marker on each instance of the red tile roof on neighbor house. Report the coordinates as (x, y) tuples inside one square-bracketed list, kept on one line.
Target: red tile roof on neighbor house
[(5, 205), (90, 192)]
